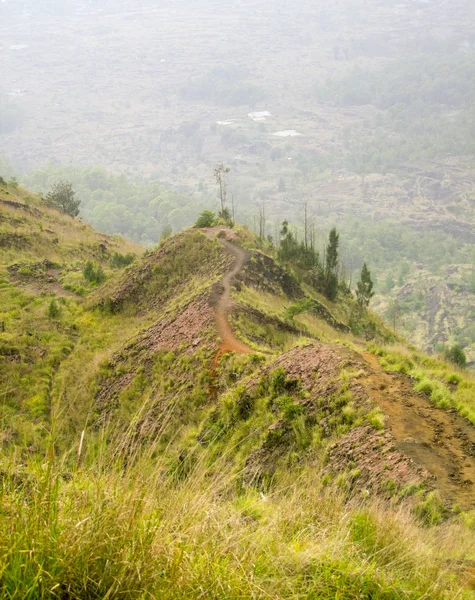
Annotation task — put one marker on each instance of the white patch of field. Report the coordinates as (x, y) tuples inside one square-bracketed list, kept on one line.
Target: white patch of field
[(287, 133), (228, 122), (16, 93), (19, 47), (261, 115)]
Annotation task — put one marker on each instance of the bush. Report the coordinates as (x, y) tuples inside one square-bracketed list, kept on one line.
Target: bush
[(431, 510), (300, 307), (53, 310), (456, 355), (93, 274), (119, 261), (206, 219)]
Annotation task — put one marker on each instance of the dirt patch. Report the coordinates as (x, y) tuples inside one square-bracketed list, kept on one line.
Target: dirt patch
[(224, 232), (440, 441), (187, 330), (420, 443), (19, 206), (317, 366), (374, 463)]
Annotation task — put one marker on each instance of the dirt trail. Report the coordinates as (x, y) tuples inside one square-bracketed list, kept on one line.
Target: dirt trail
[(441, 441), (229, 341)]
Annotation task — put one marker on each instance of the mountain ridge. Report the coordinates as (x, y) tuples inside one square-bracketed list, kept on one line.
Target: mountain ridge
[(127, 395)]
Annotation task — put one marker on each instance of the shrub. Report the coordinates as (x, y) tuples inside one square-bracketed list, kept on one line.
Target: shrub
[(53, 310), (431, 510), (118, 260), (206, 219), (454, 378), (300, 307), (456, 355), (93, 274)]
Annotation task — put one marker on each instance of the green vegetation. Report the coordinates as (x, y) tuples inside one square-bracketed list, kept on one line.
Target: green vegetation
[(206, 219), (118, 261), (137, 208), (364, 291), (456, 355), (428, 110), (93, 273), (61, 197), (138, 532), (432, 376), (138, 462)]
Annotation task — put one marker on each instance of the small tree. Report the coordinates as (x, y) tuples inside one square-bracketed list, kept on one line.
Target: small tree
[(118, 260), (220, 173), (61, 197), (364, 291)]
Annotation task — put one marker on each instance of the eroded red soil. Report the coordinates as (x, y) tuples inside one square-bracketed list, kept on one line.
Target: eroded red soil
[(440, 441)]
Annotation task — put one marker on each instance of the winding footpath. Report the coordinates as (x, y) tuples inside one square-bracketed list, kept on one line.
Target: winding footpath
[(229, 341)]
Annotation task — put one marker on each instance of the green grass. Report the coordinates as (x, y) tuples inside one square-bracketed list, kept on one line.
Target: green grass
[(433, 377)]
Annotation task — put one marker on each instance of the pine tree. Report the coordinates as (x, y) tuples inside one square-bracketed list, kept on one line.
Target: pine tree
[(331, 265), (364, 291)]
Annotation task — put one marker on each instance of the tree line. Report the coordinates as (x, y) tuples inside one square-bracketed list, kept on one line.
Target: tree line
[(324, 273)]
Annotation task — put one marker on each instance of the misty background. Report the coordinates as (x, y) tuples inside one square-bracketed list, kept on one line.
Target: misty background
[(363, 109)]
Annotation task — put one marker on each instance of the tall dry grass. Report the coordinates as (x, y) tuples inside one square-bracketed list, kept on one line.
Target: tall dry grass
[(126, 526)]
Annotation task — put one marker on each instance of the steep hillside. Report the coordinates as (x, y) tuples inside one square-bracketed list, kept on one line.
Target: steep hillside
[(203, 424), (43, 255)]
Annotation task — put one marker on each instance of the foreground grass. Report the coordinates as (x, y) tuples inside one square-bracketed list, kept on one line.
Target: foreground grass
[(136, 532)]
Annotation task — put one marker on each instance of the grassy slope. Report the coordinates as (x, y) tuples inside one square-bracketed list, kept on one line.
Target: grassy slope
[(160, 497), (34, 343)]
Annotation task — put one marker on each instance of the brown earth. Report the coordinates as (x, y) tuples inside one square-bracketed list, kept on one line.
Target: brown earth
[(229, 341), (187, 329), (420, 444), (372, 458), (441, 441)]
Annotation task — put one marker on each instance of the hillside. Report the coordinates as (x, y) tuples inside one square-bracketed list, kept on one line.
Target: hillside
[(202, 423)]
